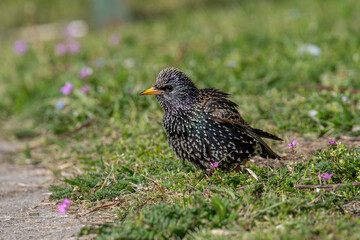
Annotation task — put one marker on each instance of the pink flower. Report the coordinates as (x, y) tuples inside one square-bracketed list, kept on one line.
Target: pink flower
[(114, 39), (74, 47), (292, 145), (64, 206), (214, 165), (85, 72), (332, 142), (67, 88), (61, 49), (326, 176), (20, 47), (85, 88)]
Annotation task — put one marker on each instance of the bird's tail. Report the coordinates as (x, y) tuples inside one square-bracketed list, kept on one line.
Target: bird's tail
[(264, 134), (266, 151)]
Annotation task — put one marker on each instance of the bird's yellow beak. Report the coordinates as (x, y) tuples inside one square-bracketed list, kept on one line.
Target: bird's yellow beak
[(151, 91)]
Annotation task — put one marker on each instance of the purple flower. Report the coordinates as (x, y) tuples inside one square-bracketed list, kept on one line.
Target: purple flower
[(326, 176), (85, 88), (214, 165), (85, 72), (67, 88), (60, 105), (61, 49), (64, 206), (114, 39), (74, 47), (20, 47), (332, 142), (292, 145)]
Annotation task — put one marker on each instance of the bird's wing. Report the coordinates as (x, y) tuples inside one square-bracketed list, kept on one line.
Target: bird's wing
[(222, 110), (218, 104)]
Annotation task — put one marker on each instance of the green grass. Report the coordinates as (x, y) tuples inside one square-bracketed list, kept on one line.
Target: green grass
[(249, 49), (178, 202)]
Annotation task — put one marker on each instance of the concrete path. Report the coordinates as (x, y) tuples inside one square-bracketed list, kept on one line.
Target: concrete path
[(25, 212)]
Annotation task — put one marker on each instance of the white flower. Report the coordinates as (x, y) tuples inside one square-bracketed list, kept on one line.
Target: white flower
[(129, 63), (313, 113), (311, 49), (344, 98)]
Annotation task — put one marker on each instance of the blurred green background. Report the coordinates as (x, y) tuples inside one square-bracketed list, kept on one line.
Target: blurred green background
[(19, 13), (280, 59)]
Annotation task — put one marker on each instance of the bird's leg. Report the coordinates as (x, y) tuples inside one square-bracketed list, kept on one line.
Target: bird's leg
[(238, 168)]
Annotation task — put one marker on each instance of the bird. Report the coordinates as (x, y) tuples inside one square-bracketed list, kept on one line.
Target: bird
[(204, 127)]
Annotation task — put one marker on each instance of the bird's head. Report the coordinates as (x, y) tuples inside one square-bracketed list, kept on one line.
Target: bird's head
[(173, 89)]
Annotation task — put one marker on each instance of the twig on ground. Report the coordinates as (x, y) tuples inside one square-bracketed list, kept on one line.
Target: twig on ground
[(316, 199), (301, 186), (86, 124), (101, 207)]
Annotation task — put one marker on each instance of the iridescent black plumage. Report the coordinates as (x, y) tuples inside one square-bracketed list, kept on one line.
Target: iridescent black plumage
[(203, 126)]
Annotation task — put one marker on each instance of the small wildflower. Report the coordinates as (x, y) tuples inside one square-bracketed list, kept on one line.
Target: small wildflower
[(100, 62), (61, 49), (344, 98), (20, 47), (213, 165), (114, 39), (85, 72), (75, 29), (332, 142), (311, 49), (129, 63), (313, 113), (85, 88), (232, 64), (64, 206), (326, 176), (67, 88), (292, 145), (317, 189), (74, 47), (60, 105)]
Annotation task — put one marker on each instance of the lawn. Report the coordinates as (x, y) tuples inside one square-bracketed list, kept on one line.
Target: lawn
[(291, 66)]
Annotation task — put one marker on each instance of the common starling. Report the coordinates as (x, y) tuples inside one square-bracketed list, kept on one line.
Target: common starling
[(203, 126)]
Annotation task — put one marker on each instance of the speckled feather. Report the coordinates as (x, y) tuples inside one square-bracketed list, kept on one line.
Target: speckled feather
[(204, 126)]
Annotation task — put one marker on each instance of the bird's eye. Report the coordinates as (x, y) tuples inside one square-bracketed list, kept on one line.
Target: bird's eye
[(168, 88)]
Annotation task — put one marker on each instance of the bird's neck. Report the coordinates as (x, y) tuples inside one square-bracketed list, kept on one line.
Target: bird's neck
[(182, 106)]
